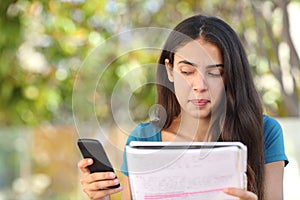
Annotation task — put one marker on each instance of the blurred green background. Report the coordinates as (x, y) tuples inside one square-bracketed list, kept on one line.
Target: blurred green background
[(44, 43)]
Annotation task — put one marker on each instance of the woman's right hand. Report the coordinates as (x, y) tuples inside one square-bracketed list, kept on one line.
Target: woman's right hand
[(95, 184)]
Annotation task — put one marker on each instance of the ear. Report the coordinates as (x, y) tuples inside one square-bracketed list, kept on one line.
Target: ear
[(169, 70)]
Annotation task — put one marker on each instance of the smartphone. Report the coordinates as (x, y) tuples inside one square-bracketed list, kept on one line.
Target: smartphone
[(91, 148)]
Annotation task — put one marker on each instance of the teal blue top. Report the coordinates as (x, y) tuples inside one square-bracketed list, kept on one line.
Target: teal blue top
[(273, 139)]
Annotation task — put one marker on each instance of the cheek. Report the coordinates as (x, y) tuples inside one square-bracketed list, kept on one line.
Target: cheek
[(182, 87), (216, 88), (181, 82)]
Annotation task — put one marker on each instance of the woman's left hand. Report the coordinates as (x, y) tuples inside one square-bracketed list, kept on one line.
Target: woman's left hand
[(240, 193)]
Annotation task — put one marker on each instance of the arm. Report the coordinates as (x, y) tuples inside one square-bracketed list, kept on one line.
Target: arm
[(274, 180), (275, 159), (126, 188)]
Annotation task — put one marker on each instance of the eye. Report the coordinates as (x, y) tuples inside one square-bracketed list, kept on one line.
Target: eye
[(215, 72), (187, 70)]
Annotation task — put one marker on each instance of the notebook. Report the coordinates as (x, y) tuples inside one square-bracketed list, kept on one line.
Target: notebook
[(185, 170)]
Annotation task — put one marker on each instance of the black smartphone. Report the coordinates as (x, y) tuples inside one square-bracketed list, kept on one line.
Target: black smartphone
[(91, 148)]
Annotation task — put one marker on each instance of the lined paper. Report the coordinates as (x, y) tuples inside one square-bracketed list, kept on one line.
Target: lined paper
[(195, 173)]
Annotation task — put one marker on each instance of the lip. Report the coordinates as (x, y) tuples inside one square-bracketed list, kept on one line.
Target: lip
[(200, 102)]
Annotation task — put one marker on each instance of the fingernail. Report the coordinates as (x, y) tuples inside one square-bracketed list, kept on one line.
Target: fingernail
[(112, 175), (116, 180), (119, 188)]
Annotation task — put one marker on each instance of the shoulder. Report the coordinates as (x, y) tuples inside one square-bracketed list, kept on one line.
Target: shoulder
[(145, 132), (270, 122), (273, 140), (272, 128)]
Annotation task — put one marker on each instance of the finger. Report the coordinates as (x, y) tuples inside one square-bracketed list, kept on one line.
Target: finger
[(101, 193), (100, 176), (242, 194), (83, 165), (102, 185)]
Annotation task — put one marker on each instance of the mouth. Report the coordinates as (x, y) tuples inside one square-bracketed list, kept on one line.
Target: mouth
[(200, 102)]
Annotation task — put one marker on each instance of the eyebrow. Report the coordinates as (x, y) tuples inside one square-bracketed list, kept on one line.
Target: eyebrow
[(187, 62), (195, 65)]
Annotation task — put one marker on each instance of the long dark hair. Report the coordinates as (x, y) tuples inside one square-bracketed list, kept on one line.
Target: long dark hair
[(242, 119)]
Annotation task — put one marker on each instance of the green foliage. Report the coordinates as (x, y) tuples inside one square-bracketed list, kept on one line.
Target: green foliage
[(43, 44)]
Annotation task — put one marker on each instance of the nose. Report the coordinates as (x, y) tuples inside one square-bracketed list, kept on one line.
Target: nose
[(199, 83)]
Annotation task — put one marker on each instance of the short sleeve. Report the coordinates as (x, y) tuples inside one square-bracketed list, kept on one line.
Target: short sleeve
[(273, 141), (142, 132), (124, 168)]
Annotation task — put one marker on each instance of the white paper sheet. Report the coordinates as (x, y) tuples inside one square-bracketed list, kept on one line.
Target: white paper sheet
[(185, 173)]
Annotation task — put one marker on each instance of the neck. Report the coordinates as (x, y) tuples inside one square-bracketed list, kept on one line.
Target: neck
[(190, 129)]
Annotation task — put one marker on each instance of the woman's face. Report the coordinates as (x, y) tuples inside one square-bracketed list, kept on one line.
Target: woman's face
[(197, 76)]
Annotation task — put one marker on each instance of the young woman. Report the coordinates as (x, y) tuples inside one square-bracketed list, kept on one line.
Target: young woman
[(205, 86)]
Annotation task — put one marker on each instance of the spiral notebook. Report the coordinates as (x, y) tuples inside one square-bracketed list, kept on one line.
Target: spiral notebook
[(182, 170)]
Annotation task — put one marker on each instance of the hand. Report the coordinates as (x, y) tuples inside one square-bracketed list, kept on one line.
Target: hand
[(240, 193), (95, 184)]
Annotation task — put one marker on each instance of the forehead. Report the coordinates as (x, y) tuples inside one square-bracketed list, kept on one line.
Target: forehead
[(199, 51)]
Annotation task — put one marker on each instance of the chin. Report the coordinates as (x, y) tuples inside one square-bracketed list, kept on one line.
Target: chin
[(201, 115)]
